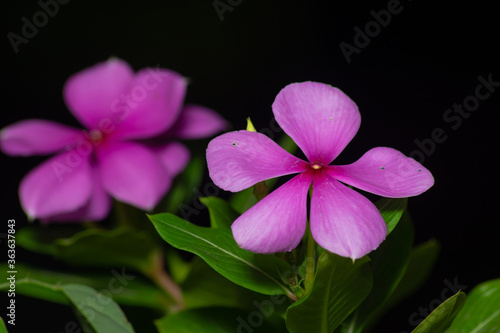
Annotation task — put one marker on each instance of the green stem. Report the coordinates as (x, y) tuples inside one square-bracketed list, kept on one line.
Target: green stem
[(310, 261)]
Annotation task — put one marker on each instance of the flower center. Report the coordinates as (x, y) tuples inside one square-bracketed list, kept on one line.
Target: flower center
[(316, 165)]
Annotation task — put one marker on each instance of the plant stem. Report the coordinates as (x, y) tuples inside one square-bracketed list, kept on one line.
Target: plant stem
[(161, 278), (310, 261)]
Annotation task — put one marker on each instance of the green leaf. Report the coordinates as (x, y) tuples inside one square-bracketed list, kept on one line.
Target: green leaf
[(114, 248), (422, 260), (98, 310), (125, 288), (3, 329), (214, 320), (205, 287), (389, 263), (222, 215), (94, 247), (339, 288), (218, 248), (440, 319), (391, 210), (481, 312)]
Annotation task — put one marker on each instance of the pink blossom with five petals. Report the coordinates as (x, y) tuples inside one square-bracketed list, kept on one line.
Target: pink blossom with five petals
[(121, 110), (321, 120)]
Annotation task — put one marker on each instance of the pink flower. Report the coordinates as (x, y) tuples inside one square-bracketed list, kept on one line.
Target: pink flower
[(118, 107), (322, 120)]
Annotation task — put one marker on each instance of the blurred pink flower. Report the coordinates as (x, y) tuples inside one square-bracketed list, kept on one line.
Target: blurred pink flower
[(322, 120), (120, 109)]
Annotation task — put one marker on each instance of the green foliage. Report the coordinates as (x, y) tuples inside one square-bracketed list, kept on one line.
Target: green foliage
[(222, 215), (120, 247), (125, 288), (95, 311), (481, 312), (218, 248), (389, 263), (391, 210), (215, 320), (226, 288), (339, 287), (440, 319)]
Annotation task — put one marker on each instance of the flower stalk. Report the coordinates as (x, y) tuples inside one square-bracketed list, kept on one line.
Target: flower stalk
[(310, 262), (161, 278)]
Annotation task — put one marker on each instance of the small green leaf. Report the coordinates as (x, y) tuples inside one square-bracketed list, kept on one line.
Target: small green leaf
[(98, 310), (215, 320), (440, 319), (391, 210), (339, 288), (222, 215), (481, 312), (218, 248), (243, 200), (250, 126)]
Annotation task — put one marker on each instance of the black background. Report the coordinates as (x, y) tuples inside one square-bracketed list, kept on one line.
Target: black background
[(426, 59)]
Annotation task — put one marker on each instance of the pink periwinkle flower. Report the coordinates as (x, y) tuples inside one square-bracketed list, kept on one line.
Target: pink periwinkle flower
[(322, 120), (121, 111)]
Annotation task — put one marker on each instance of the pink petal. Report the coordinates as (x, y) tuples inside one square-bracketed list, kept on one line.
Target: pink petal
[(196, 121), (132, 173), (173, 156), (277, 222), (60, 185), (321, 119), (96, 208), (153, 103), (386, 172), (36, 137), (237, 160), (95, 93), (342, 220)]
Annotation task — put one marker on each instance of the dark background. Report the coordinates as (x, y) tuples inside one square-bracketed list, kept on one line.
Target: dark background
[(426, 59)]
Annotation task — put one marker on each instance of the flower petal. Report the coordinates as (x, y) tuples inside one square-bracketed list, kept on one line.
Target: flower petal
[(36, 137), (277, 222), (342, 220), (153, 103), (173, 156), (96, 208), (94, 93), (60, 185), (132, 173), (196, 121), (386, 172), (321, 119), (238, 160)]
